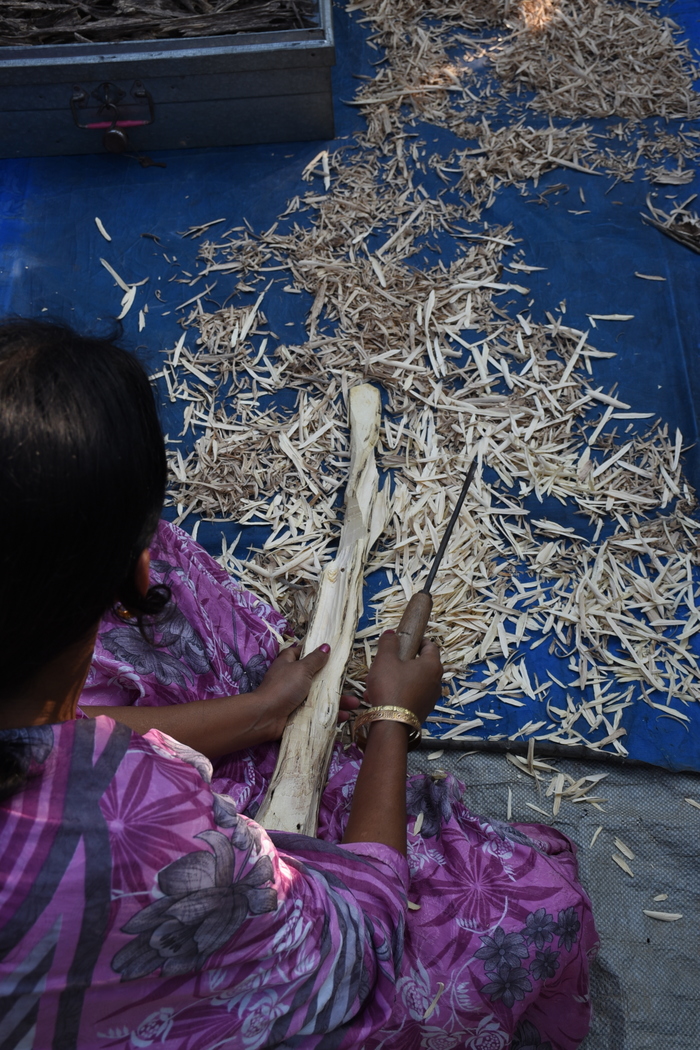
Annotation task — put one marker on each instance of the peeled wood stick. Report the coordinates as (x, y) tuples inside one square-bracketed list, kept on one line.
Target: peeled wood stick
[(294, 794)]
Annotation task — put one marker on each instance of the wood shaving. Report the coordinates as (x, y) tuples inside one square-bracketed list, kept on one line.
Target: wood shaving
[(431, 1008), (100, 226), (679, 224), (463, 367), (611, 317), (625, 850), (596, 833), (622, 863), (538, 809)]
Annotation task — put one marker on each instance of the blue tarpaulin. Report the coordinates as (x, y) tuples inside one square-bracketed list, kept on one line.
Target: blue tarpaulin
[(50, 250)]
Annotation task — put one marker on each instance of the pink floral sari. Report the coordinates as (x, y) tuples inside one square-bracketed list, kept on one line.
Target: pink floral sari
[(140, 904)]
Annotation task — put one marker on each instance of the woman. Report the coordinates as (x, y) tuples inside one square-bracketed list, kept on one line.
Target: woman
[(140, 904)]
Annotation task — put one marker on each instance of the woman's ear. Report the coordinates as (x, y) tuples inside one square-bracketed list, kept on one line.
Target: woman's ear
[(142, 573)]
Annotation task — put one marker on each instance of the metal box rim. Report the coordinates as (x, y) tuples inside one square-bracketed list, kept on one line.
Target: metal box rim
[(41, 55)]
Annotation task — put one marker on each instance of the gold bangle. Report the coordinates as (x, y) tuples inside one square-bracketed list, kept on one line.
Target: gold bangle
[(388, 713)]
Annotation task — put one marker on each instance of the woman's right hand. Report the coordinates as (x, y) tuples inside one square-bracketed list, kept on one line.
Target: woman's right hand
[(378, 811), (414, 684)]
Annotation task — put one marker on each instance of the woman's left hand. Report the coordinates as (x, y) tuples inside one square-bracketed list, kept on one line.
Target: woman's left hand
[(220, 725), (287, 682)]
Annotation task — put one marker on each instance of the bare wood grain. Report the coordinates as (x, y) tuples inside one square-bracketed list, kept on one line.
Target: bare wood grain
[(294, 795)]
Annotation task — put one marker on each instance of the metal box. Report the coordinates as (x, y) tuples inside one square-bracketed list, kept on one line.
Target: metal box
[(168, 94)]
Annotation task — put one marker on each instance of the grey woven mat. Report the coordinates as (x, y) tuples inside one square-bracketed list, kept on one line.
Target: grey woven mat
[(646, 980)]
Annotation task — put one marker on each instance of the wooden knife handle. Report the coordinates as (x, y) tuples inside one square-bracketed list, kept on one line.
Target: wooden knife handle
[(413, 624)]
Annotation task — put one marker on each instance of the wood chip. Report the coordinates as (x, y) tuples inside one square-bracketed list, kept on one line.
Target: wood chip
[(538, 809), (625, 850), (558, 788), (431, 1008), (462, 367), (622, 863), (127, 302), (100, 226), (122, 284), (611, 317)]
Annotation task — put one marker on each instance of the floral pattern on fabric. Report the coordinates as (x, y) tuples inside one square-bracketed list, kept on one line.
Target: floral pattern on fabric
[(201, 909), (434, 799), (214, 638), (539, 928), (502, 949), (502, 955), (544, 965), (233, 939), (201, 929), (567, 928)]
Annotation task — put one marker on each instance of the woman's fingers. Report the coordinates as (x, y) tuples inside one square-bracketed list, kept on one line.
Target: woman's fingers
[(290, 654), (348, 704), (430, 651), (314, 661), (388, 643), (288, 679)]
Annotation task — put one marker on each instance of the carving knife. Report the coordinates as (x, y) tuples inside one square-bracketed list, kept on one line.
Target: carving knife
[(417, 612)]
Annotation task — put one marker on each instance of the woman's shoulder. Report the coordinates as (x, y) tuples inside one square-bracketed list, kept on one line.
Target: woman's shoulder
[(96, 755), (165, 746), (161, 754)]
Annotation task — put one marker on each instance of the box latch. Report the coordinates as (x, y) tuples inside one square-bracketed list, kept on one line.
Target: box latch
[(111, 110)]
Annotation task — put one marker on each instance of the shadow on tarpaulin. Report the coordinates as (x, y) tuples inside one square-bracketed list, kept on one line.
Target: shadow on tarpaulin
[(50, 252)]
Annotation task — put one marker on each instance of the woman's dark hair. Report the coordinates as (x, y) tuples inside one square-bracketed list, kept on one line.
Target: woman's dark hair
[(82, 480)]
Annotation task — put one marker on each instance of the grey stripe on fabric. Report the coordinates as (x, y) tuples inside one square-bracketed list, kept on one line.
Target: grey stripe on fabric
[(81, 819), (21, 991)]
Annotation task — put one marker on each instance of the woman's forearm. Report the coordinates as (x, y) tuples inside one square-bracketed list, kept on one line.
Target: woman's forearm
[(224, 724), (214, 727), (378, 811)]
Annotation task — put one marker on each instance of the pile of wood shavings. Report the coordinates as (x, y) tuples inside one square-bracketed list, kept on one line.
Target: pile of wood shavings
[(561, 787), (680, 224), (463, 366), (514, 155), (597, 58), (523, 393), (581, 58)]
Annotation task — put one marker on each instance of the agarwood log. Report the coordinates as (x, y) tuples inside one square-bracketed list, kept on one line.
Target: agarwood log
[(294, 794)]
